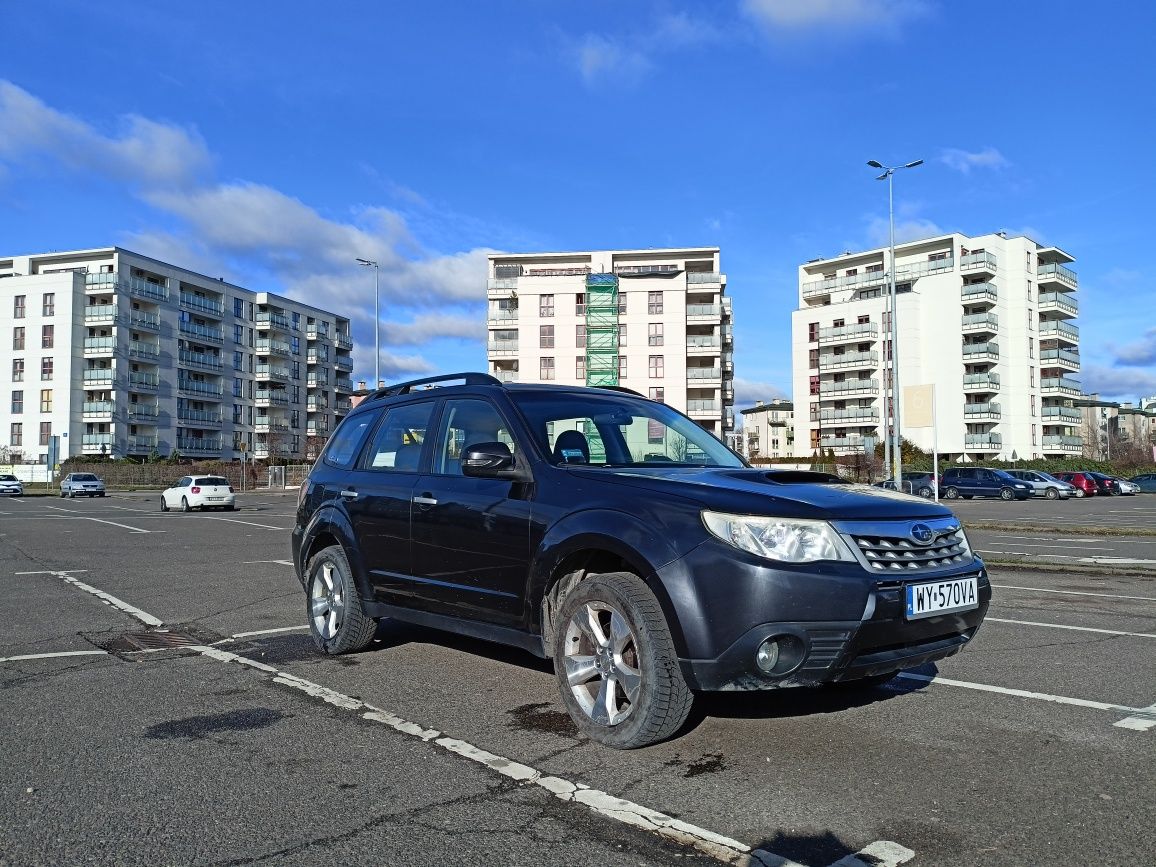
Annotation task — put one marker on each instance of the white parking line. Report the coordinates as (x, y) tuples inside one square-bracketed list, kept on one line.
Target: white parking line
[(1073, 592), (249, 523), (1052, 545), (73, 514), (53, 655), (1142, 722), (1075, 628), (724, 849), (279, 562), (268, 631), (143, 616), (1021, 693)]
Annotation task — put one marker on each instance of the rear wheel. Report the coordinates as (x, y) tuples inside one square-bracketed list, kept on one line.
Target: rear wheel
[(616, 663), (1051, 493), (926, 493), (951, 493), (185, 505), (337, 622), (1080, 493), (1007, 494)]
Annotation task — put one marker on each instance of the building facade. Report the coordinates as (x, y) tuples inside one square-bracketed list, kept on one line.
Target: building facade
[(769, 430), (1112, 429), (987, 321), (108, 352), (656, 321)]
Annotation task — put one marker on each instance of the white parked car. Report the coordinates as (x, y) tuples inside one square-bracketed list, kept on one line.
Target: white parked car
[(199, 492), (1044, 485), (81, 485), (12, 486)]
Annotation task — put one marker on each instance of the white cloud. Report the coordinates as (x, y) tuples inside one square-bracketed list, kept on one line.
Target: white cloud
[(913, 229), (795, 16), (629, 58), (1116, 383), (747, 391), (1141, 352), (600, 57), (433, 326), (964, 161)]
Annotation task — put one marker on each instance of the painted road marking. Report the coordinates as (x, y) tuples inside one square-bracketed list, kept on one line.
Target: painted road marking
[(249, 523), (53, 655), (280, 562), (267, 631), (143, 616), (1073, 592), (1074, 628), (102, 521), (1141, 722), (1052, 545), (724, 849), (1022, 693)]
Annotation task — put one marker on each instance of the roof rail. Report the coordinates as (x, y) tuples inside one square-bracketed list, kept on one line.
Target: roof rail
[(620, 388), (407, 387)]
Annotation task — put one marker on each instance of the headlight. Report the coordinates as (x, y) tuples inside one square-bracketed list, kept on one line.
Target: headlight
[(784, 539)]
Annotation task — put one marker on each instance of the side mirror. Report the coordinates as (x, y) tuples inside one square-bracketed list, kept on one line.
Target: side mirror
[(489, 461)]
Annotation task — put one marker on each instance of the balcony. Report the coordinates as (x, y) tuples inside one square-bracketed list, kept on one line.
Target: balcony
[(150, 352), (260, 450), (200, 418), (841, 445), (1058, 302), (728, 336), (979, 293), (1066, 444), (980, 323), (144, 412), (98, 378), (265, 425), (973, 411), (317, 379), (983, 442), (138, 444), (271, 397), (981, 262), (96, 443), (100, 314), (854, 417), (1061, 358), (703, 377), (502, 284), (703, 344), (827, 285), (849, 387), (202, 332), (315, 405), (98, 410), (860, 332), (266, 372), (1061, 415), (145, 289), (316, 332), (703, 313), (502, 317), (98, 284), (1057, 277), (907, 273), (343, 383), (831, 361), (703, 277), (200, 360), (974, 353), (1061, 385), (343, 341), (193, 386), (703, 409), (274, 347), (1059, 330), (342, 406), (272, 322), (199, 445), (202, 305), (147, 321), (506, 375), (317, 357), (99, 347), (502, 348), (143, 381), (980, 382), (343, 364)]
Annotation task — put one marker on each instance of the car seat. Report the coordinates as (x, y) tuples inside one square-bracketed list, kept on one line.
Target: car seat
[(571, 447)]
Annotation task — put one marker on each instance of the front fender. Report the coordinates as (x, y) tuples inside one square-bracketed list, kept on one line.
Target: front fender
[(332, 521)]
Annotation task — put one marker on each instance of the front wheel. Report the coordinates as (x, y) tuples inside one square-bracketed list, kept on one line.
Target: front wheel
[(164, 504), (616, 663), (1051, 493), (1007, 494), (951, 493), (337, 622)]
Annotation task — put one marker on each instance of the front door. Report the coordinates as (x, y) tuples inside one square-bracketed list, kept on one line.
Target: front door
[(471, 537)]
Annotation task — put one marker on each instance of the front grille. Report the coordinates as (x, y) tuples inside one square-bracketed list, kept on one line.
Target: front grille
[(899, 554)]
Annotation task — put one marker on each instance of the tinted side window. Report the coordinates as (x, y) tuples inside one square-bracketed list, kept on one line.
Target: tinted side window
[(398, 442), (466, 423), (347, 439)]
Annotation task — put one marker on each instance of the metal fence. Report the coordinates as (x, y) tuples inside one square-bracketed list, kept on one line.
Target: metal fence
[(243, 477)]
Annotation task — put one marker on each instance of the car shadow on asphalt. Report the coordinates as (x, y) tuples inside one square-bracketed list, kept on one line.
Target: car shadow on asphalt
[(820, 847)]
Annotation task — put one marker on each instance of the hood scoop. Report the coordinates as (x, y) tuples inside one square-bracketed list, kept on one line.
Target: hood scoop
[(802, 477)]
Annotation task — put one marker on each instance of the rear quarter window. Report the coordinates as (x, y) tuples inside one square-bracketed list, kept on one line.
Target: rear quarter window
[(343, 448)]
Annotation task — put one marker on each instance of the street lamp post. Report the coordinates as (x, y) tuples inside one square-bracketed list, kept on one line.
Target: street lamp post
[(369, 263), (896, 451)]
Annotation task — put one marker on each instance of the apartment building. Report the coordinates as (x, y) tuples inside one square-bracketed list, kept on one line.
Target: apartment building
[(987, 320), (108, 352), (1112, 428), (655, 321), (769, 429)]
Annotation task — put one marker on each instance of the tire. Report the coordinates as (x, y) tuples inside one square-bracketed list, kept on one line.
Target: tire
[(926, 493), (101, 494), (337, 622), (1051, 494), (1080, 494), (71, 494), (185, 505), (230, 508), (1007, 494), (951, 493), (63, 495), (164, 505), (608, 626)]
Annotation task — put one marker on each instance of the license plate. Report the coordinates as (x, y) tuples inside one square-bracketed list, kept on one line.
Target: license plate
[(942, 597)]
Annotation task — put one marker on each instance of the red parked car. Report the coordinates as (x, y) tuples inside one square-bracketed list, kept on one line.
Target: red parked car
[(1084, 484)]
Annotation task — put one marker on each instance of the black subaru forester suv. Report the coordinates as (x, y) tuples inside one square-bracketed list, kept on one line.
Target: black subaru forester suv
[(618, 537)]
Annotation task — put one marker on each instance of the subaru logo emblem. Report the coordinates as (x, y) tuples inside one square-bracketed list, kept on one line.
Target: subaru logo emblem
[(922, 534)]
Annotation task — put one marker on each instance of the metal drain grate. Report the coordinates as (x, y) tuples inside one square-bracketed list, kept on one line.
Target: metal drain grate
[(151, 639)]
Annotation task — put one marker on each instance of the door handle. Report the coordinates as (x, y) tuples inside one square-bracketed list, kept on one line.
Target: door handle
[(349, 495), (425, 501)]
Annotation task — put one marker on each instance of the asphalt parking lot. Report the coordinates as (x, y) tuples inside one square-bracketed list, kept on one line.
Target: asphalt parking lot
[(1035, 745)]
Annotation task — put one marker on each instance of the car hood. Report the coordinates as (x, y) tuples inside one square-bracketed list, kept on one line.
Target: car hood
[(781, 494)]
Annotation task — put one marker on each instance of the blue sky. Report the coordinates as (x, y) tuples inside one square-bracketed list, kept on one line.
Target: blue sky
[(273, 149)]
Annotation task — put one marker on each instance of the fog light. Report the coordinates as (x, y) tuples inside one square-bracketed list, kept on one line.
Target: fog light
[(767, 656)]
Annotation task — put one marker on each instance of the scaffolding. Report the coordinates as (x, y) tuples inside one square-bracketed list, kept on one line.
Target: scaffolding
[(601, 329)]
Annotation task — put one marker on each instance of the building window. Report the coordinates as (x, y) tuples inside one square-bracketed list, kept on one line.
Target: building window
[(239, 335), (17, 435), (1033, 434), (812, 358), (1033, 403), (1032, 377), (237, 388), (17, 402), (18, 337), (863, 320), (580, 336), (812, 332), (239, 308), (814, 384), (46, 368), (546, 368), (621, 335), (656, 367), (1031, 348), (1029, 290), (238, 413), (658, 393), (580, 368), (546, 336), (580, 304), (238, 360), (48, 307), (622, 367), (654, 303), (655, 336), (873, 269), (546, 306), (622, 303), (47, 336), (46, 400), (18, 370), (1031, 319), (18, 307), (45, 432)]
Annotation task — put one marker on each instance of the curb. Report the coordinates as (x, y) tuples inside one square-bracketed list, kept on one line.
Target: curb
[(1147, 572)]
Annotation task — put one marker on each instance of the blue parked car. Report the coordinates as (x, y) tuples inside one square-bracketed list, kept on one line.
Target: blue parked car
[(1145, 481), (968, 482)]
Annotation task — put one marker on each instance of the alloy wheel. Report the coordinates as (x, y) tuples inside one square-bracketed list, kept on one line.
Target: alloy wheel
[(601, 658), (327, 601)]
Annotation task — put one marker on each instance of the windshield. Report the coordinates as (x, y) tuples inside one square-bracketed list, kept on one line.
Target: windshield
[(85, 477), (617, 430)]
